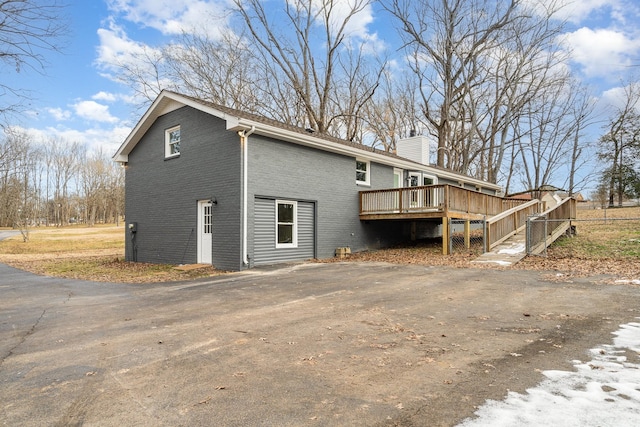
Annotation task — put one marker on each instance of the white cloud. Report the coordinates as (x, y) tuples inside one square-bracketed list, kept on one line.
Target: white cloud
[(358, 24), (105, 96), (594, 13), (602, 52), (617, 98), (116, 48), (59, 114), (577, 11), (94, 111), (117, 53), (94, 139), (172, 17), (614, 97)]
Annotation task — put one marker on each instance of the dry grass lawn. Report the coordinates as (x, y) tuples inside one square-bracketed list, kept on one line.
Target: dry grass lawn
[(90, 253), (610, 248)]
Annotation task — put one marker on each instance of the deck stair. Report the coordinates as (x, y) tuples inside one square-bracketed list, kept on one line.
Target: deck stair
[(532, 238), (507, 252)]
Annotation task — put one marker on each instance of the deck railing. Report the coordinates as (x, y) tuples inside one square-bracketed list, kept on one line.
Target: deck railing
[(445, 199), (549, 225), (402, 200), (506, 224)]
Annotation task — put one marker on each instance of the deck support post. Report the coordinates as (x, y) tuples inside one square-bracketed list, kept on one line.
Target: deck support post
[(445, 236), (467, 234)]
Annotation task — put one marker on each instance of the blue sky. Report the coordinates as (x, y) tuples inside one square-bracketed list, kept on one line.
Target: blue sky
[(78, 100)]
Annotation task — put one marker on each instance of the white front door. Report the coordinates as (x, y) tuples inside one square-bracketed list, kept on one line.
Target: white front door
[(205, 218)]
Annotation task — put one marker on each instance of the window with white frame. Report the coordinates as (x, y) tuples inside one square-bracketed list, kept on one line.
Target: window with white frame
[(428, 180), (286, 224), (172, 142), (362, 172)]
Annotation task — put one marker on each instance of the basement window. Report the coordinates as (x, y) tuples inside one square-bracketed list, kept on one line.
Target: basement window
[(172, 142)]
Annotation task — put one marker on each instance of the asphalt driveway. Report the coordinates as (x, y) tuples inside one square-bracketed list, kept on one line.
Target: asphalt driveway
[(312, 344)]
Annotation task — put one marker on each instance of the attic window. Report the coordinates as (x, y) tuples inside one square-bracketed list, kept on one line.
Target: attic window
[(362, 172), (172, 142)]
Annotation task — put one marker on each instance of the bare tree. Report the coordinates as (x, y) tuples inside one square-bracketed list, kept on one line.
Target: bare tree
[(478, 64), (601, 194), (18, 198), (316, 58), (549, 136), (525, 62), (102, 189), (545, 136), (221, 70), (582, 113), (303, 63), (11, 148), (146, 76), (444, 39), (66, 160), (55, 182), (358, 80), (391, 114), (28, 29), (620, 145)]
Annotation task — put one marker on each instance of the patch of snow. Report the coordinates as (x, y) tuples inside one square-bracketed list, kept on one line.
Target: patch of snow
[(497, 261), (628, 282), (602, 392), (514, 250)]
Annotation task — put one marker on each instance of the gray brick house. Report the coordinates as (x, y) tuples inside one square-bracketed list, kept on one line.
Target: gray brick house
[(209, 184)]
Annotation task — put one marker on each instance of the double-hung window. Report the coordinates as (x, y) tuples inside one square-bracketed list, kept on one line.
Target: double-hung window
[(286, 224), (172, 142), (362, 172)]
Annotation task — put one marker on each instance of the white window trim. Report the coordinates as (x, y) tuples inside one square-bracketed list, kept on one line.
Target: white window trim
[(167, 145), (294, 244), (417, 176), (431, 177), (400, 174), (367, 181)]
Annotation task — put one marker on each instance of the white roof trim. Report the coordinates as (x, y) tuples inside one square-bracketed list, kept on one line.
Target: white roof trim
[(169, 101)]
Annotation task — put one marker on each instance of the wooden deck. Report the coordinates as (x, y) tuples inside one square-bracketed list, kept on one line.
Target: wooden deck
[(503, 217), (431, 201)]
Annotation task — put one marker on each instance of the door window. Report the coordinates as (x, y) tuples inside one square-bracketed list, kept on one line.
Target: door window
[(206, 219)]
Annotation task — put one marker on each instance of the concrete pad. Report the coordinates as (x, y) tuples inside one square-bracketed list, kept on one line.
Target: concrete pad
[(507, 253), (349, 344)]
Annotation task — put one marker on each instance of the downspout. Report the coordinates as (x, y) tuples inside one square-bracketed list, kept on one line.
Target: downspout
[(244, 139)]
